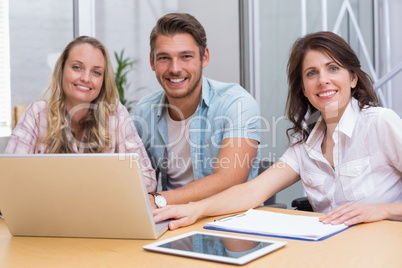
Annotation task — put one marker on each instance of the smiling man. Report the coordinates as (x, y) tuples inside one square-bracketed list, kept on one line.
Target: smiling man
[(201, 135)]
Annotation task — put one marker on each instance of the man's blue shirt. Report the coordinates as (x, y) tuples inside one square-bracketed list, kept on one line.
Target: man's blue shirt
[(225, 111)]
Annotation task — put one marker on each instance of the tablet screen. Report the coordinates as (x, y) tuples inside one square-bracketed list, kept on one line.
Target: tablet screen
[(216, 247)]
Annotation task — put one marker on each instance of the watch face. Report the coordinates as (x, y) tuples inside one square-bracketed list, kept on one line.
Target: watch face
[(160, 201)]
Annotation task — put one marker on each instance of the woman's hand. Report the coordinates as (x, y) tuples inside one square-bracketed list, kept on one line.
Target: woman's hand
[(182, 215), (353, 213)]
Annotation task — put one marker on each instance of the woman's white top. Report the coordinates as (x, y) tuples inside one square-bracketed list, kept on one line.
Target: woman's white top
[(367, 160)]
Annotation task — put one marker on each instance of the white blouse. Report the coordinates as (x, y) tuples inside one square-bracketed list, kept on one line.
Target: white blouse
[(367, 160)]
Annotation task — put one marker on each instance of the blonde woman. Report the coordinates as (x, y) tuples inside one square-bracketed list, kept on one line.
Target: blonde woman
[(83, 113)]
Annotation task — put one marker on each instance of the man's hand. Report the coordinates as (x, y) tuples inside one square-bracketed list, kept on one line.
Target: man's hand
[(183, 215)]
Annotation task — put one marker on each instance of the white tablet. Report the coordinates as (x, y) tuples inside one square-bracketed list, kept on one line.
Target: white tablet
[(216, 247)]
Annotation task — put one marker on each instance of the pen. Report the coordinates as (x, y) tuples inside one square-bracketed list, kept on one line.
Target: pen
[(230, 217)]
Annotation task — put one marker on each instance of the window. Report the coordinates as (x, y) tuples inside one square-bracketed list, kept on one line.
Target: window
[(5, 105), (39, 30)]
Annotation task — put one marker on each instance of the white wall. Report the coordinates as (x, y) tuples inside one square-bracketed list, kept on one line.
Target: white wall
[(396, 52), (3, 143), (276, 19), (38, 31), (221, 22)]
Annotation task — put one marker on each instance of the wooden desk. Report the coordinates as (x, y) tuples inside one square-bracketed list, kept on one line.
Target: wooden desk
[(376, 244)]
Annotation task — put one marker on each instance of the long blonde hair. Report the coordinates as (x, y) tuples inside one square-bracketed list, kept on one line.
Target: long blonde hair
[(95, 123)]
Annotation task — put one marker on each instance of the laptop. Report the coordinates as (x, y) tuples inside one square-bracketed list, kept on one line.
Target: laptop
[(76, 195)]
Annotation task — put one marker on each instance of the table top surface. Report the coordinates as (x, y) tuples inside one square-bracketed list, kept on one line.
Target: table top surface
[(377, 244)]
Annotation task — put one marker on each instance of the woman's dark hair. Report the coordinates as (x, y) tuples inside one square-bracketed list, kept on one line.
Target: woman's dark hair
[(298, 106)]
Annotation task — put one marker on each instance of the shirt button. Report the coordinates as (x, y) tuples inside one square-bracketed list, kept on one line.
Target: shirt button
[(309, 182)]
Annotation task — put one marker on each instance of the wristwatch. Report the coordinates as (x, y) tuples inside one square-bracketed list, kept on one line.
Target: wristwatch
[(160, 200)]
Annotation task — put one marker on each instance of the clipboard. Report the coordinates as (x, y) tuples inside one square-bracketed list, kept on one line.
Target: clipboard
[(266, 223)]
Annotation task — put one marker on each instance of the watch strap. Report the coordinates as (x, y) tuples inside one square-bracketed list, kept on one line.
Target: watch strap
[(154, 194)]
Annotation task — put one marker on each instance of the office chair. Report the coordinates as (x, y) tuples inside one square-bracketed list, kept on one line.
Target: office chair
[(270, 202), (302, 203)]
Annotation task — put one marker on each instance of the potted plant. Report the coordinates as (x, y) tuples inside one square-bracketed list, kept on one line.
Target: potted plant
[(124, 66)]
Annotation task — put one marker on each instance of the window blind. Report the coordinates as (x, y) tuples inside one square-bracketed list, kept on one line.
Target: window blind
[(5, 96)]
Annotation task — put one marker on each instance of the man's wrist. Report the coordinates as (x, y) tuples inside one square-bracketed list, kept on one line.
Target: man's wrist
[(151, 198), (159, 200)]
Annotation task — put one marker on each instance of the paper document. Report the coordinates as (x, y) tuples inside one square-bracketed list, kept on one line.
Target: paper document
[(277, 224)]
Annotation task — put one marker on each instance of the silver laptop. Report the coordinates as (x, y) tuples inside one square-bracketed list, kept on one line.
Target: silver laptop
[(76, 195)]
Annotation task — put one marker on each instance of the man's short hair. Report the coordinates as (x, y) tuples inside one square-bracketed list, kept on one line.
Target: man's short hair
[(174, 23)]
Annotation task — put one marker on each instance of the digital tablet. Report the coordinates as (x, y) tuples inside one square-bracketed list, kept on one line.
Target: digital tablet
[(216, 247)]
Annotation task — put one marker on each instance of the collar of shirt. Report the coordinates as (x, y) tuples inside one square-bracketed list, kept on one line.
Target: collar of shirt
[(205, 98), (346, 126), (349, 118), (313, 143)]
